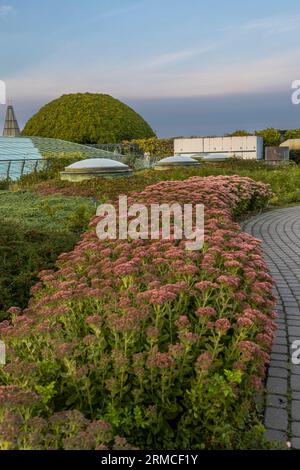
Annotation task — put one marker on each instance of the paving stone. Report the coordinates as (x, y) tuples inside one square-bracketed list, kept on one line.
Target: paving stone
[(279, 357), (280, 364), (280, 340), (292, 310), (278, 372), (281, 328), (273, 435), (295, 382), (295, 412), (277, 401), (277, 386), (276, 418), (292, 339), (279, 349), (281, 333), (281, 317), (295, 369), (292, 322), (294, 331), (280, 234), (296, 429), (296, 443)]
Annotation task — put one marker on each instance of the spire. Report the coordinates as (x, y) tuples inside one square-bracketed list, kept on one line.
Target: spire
[(11, 126)]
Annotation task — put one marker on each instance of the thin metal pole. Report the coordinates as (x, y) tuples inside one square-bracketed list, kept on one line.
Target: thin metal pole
[(8, 169), (22, 167)]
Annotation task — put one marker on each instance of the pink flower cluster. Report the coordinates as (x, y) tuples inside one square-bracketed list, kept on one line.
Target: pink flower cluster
[(127, 325)]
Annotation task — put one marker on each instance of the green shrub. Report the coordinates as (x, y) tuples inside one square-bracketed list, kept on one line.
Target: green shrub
[(292, 134), (88, 118), (34, 231), (155, 147), (4, 184), (283, 179), (238, 133), (271, 137), (295, 156), (79, 219)]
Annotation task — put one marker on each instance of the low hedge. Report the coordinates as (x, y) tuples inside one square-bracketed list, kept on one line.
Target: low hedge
[(142, 339)]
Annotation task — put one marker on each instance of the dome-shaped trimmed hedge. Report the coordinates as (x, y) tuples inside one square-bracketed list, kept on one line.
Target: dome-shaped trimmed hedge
[(88, 118)]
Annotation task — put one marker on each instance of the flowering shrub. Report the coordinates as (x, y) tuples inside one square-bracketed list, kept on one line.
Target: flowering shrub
[(143, 339)]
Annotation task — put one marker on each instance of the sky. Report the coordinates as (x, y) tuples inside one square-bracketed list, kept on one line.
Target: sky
[(190, 67)]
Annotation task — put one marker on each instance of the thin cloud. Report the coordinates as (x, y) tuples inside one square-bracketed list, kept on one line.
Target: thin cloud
[(269, 25), (178, 56), (273, 25), (271, 73), (6, 10)]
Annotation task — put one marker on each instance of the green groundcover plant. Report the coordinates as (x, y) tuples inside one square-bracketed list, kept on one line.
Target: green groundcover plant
[(34, 231), (284, 180), (142, 344), (88, 118)]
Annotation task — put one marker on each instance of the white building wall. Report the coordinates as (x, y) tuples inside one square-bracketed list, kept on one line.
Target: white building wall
[(248, 147)]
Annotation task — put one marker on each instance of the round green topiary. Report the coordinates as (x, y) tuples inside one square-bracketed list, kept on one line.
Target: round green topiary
[(88, 118)]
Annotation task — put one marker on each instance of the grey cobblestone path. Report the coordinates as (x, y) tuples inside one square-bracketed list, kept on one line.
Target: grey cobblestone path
[(279, 231)]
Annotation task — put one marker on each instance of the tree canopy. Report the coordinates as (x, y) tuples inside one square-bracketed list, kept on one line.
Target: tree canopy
[(271, 137), (88, 118), (292, 134)]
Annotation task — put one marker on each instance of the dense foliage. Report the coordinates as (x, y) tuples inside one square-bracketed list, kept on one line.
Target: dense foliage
[(88, 118), (144, 339), (292, 134), (34, 231), (238, 133), (283, 179), (155, 147), (271, 137), (295, 156), (165, 147)]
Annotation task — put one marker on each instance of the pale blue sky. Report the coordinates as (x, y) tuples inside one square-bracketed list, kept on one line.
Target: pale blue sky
[(189, 66)]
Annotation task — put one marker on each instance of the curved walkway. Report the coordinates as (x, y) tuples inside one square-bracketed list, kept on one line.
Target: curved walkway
[(280, 232)]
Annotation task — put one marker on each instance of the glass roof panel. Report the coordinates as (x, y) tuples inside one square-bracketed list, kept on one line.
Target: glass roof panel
[(177, 159), (15, 151), (94, 163)]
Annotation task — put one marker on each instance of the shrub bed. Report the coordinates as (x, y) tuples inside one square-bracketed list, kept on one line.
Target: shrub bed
[(143, 339), (283, 179)]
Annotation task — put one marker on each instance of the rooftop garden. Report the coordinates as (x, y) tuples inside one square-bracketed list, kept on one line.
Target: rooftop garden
[(136, 344)]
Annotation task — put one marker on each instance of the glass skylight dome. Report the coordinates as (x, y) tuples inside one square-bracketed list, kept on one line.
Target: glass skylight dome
[(175, 162), (93, 168), (211, 157), (97, 163)]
